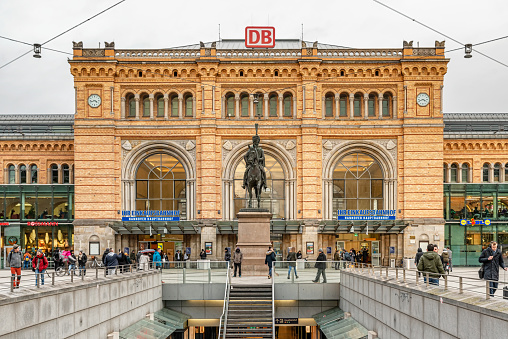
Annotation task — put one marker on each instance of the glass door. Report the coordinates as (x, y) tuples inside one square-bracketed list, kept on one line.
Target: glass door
[(376, 255)]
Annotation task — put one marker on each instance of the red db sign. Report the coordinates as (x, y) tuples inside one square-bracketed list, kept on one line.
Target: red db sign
[(259, 37)]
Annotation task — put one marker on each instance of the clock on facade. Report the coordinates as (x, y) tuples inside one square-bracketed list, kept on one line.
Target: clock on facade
[(423, 99), (94, 100)]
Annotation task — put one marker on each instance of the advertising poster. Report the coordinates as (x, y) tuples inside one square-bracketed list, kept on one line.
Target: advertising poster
[(310, 247), (208, 248)]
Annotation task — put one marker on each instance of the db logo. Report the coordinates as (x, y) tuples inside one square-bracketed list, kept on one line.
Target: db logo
[(259, 37)]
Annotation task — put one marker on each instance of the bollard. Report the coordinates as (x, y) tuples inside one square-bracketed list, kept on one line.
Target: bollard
[(380, 271), (12, 283), (96, 273), (52, 278), (387, 272), (404, 275), (427, 275), (209, 275), (72, 275), (417, 276), (293, 276), (184, 275), (396, 274), (460, 286), (105, 271), (82, 275), (487, 289), (37, 280), (445, 282)]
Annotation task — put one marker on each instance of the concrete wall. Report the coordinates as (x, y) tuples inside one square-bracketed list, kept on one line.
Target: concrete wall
[(81, 310), (395, 311), (200, 301)]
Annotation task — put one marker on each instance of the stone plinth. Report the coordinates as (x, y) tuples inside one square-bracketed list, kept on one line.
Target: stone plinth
[(254, 239)]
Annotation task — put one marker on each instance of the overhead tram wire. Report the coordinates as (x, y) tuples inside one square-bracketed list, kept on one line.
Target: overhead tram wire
[(59, 35), (435, 30), (29, 44)]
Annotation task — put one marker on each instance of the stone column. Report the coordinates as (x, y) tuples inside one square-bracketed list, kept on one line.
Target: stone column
[(337, 108), (136, 97), (323, 108), (112, 99), (194, 107), (202, 99), (223, 107), (122, 107), (281, 106), (265, 97), (150, 97), (314, 100), (303, 99), (237, 106), (366, 105), (294, 107), (251, 106), (60, 174), (380, 106), (351, 106), (449, 173), (213, 99), (180, 106), (394, 107), (166, 106)]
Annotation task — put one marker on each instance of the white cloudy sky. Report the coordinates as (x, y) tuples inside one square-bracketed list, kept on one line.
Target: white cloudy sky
[(45, 85)]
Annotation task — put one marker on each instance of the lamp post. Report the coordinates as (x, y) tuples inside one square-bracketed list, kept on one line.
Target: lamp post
[(37, 51)]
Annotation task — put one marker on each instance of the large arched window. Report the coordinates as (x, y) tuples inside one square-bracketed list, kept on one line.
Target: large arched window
[(329, 107), (160, 185), (497, 172), (273, 198), (288, 105), (258, 105), (244, 103), (230, 105), (465, 173), (11, 174), (146, 105), (188, 106), (357, 183), (387, 104), (174, 105), (453, 173), (22, 174), (343, 103), (131, 104), (358, 105), (445, 169), (372, 105), (273, 105), (160, 105)]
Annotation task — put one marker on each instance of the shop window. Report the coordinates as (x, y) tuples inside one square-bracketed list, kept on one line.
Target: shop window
[(54, 174), (465, 173), (11, 174), (453, 173), (329, 105), (485, 172), (160, 105), (497, 172), (288, 105), (273, 198), (273, 105), (22, 174), (244, 103), (13, 203), (34, 174), (160, 184), (188, 106), (44, 202)]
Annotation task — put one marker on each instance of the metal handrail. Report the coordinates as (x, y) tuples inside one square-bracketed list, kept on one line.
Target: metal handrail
[(273, 300), (225, 306)]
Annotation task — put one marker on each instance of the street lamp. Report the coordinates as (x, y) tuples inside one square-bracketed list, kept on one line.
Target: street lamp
[(468, 48), (37, 51)]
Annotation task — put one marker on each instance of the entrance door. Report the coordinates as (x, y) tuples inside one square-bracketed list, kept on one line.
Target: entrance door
[(341, 245), (375, 254)]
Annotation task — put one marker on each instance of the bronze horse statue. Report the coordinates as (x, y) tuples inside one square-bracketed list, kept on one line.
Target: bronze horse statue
[(254, 177)]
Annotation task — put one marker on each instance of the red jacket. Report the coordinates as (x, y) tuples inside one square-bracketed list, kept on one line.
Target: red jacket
[(43, 264)]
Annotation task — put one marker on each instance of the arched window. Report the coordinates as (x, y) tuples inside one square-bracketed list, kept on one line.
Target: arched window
[(131, 105), (343, 104), (230, 105), (445, 168), (497, 172), (357, 105), (453, 173), (65, 174), (387, 104), (22, 174), (273, 105), (160, 185), (372, 104), (465, 173), (273, 198), (54, 174), (258, 106), (357, 183), (174, 105), (485, 172), (146, 105), (11, 174), (506, 173), (329, 105), (160, 105), (244, 103), (188, 106), (288, 105)]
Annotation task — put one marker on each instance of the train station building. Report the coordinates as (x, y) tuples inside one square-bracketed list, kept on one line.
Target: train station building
[(153, 154)]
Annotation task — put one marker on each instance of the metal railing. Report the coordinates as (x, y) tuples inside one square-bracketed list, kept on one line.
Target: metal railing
[(431, 281), (224, 317), (273, 300), (189, 272), (306, 271)]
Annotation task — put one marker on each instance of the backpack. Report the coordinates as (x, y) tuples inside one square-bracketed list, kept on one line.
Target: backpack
[(347, 256), (446, 257)]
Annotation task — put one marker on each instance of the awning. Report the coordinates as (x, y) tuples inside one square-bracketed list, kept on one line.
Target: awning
[(374, 226), (156, 227), (227, 227), (165, 322), (333, 325), (276, 226)]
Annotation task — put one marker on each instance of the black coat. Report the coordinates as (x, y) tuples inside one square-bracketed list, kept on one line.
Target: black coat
[(320, 261), (418, 256), (491, 267), (122, 259), (270, 257)]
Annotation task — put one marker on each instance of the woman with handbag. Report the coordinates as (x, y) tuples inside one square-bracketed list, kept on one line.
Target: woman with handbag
[(491, 259)]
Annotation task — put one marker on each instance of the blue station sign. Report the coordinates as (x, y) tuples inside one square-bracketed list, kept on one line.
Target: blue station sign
[(150, 215), (366, 214)]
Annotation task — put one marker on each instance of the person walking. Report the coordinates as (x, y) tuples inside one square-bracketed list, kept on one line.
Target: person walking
[(449, 257), (321, 267), (122, 261), (15, 259), (202, 255), (445, 259), (227, 255), (106, 252), (292, 261), (27, 260), (492, 259), (39, 264), (111, 262), (336, 258), (269, 259), (431, 262), (71, 260), (365, 254), (178, 258), (133, 257), (144, 261), (237, 261), (418, 256), (82, 259)]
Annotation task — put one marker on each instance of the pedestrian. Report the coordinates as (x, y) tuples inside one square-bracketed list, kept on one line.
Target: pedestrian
[(445, 258), (292, 261), (122, 261), (82, 259), (39, 265), (185, 256), (418, 256), (299, 255), (138, 256), (111, 262), (71, 259), (269, 259), (133, 257), (227, 255), (449, 257), (164, 260), (128, 262), (321, 266), (430, 262), (491, 259), (237, 261), (178, 257), (202, 255), (27, 260), (336, 258), (106, 252), (144, 261), (15, 259), (365, 254), (157, 259)]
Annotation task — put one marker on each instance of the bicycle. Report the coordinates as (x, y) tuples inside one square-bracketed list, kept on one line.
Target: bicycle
[(95, 263)]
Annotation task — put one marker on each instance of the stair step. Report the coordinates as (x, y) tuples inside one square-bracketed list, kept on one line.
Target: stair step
[(242, 324)]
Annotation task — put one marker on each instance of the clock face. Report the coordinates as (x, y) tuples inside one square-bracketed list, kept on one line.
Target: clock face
[(94, 100), (423, 99)]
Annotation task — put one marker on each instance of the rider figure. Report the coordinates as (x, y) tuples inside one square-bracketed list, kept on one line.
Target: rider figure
[(260, 156)]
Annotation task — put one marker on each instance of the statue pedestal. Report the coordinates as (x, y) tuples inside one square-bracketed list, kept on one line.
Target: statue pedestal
[(254, 239)]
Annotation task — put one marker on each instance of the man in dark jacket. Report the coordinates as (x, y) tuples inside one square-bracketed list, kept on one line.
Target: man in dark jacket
[(431, 262), (106, 251), (491, 259), (292, 261), (122, 261), (321, 266), (418, 256), (111, 262), (237, 261), (269, 259)]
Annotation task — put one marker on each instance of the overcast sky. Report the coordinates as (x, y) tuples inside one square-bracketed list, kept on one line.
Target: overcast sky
[(45, 85)]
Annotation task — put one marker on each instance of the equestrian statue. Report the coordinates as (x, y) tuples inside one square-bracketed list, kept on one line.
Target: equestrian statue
[(254, 176)]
